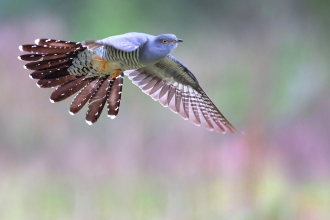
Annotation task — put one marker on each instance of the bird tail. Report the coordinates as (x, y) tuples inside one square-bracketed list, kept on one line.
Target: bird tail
[(50, 59)]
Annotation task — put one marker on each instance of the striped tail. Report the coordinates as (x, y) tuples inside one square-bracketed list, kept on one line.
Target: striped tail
[(50, 59)]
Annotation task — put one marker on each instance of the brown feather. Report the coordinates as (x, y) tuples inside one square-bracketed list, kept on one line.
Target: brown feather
[(115, 96), (185, 101), (84, 95), (31, 57), (220, 127), (39, 74), (219, 120), (92, 45), (68, 89), (97, 101), (57, 74), (50, 64), (138, 78), (156, 87), (221, 124), (194, 105), (48, 83), (132, 73), (149, 85), (156, 90), (144, 81), (170, 95), (57, 43), (32, 48), (163, 95), (164, 90), (216, 117), (44, 57), (204, 111), (177, 99)]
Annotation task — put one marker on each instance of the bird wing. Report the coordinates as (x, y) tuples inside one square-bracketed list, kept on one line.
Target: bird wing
[(174, 86), (125, 42)]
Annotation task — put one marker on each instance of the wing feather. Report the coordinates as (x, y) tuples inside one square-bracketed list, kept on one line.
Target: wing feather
[(175, 87), (164, 90), (185, 101), (149, 85), (170, 95), (125, 42)]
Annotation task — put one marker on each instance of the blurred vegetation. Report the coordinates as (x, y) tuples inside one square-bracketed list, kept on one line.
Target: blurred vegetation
[(266, 64)]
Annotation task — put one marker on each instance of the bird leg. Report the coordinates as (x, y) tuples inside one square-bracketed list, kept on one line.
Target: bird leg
[(103, 62), (115, 74), (103, 67)]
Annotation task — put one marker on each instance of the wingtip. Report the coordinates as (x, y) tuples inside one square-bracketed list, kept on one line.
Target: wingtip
[(71, 113), (20, 47), (36, 41), (234, 131)]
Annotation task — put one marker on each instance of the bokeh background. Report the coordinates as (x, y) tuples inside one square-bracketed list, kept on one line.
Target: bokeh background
[(266, 64)]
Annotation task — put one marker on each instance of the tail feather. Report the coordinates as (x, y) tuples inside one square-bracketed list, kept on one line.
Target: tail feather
[(57, 43), (50, 60), (97, 101), (68, 89), (39, 74), (32, 48), (83, 96), (52, 73), (51, 64), (49, 83), (44, 57), (115, 96)]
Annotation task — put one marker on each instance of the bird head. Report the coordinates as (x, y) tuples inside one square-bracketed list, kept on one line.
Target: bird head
[(158, 47), (166, 42)]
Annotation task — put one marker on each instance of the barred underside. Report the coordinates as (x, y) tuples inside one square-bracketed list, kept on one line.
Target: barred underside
[(125, 60)]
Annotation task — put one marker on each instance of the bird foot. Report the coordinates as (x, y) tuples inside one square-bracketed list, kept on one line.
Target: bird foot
[(103, 62), (115, 74)]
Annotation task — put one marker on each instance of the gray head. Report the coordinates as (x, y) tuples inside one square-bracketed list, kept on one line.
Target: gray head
[(158, 47)]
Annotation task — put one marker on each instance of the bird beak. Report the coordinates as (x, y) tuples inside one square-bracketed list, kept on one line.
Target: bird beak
[(179, 40)]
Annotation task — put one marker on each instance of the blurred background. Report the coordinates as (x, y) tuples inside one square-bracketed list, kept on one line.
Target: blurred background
[(265, 64)]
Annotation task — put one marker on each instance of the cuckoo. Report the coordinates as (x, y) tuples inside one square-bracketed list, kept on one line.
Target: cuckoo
[(95, 71)]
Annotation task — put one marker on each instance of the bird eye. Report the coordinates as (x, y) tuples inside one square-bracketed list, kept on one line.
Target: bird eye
[(164, 41)]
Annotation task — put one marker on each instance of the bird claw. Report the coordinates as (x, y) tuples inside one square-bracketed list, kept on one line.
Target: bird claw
[(103, 62), (115, 74)]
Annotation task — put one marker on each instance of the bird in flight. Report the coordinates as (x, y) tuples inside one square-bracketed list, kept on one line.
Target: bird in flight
[(95, 71)]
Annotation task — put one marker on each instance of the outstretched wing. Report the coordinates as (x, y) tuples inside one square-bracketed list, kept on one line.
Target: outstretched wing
[(125, 42), (174, 86)]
